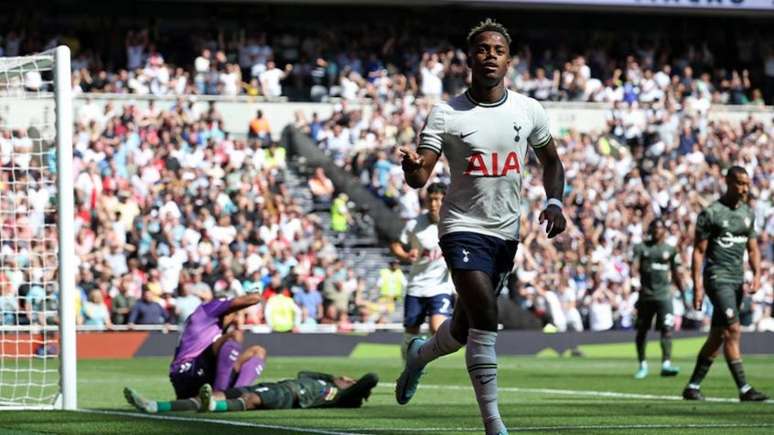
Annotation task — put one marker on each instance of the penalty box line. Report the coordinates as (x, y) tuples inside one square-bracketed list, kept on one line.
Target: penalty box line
[(216, 421), (577, 393)]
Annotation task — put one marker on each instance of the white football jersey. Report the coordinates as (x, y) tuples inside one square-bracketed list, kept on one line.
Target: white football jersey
[(486, 146), (429, 275)]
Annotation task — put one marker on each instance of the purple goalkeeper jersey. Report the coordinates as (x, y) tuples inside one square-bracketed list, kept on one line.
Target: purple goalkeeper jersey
[(201, 329)]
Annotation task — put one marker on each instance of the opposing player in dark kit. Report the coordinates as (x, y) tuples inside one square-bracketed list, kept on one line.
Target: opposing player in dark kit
[(724, 230), (307, 390), (654, 262)]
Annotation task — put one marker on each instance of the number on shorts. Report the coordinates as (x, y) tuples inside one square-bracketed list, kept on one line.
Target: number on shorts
[(445, 307)]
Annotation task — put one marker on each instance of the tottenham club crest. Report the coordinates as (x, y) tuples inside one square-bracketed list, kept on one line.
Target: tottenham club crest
[(747, 222), (517, 129)]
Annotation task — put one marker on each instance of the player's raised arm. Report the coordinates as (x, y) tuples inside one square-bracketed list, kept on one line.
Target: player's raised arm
[(242, 302), (418, 165), (553, 182)]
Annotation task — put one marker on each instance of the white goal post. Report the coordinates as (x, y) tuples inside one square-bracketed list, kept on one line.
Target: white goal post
[(38, 299)]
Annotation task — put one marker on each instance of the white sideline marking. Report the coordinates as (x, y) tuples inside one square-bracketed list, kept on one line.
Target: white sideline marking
[(562, 392), (587, 393), (215, 421), (595, 427)]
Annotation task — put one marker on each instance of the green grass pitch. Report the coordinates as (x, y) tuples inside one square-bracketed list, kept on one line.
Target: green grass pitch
[(544, 394)]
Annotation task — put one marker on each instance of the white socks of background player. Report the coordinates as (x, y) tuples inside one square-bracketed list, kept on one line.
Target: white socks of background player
[(440, 344), (481, 360)]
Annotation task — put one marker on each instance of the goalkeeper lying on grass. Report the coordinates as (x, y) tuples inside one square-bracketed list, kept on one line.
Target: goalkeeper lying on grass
[(307, 390)]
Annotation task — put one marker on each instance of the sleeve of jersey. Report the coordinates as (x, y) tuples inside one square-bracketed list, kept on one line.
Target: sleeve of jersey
[(405, 235), (540, 136), (751, 231), (676, 258), (217, 308), (703, 225), (435, 126)]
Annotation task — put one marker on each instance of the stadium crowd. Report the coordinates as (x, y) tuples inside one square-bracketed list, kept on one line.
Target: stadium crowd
[(660, 156), (304, 60), (173, 211), (170, 212)]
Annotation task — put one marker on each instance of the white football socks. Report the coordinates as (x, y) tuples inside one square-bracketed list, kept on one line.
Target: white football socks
[(481, 360), (440, 344)]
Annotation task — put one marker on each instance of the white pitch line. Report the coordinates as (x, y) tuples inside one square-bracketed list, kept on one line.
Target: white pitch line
[(216, 421), (580, 427), (586, 393)]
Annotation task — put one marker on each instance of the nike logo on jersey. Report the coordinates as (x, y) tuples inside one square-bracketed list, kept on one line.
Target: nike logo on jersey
[(464, 135)]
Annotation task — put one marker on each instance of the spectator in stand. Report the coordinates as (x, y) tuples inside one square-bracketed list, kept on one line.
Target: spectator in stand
[(271, 78), (309, 301), (94, 312), (391, 284), (282, 314), (259, 129), (337, 299), (121, 300), (341, 218), (186, 302), (322, 189), (147, 311)]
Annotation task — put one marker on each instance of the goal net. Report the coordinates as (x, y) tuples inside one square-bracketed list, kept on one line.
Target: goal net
[(37, 293)]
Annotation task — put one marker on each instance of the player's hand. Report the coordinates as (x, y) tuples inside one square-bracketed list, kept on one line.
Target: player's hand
[(755, 285), (698, 298), (555, 222), (413, 255), (411, 161)]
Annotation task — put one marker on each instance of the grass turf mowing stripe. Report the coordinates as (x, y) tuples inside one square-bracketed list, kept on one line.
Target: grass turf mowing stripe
[(215, 421), (587, 393)]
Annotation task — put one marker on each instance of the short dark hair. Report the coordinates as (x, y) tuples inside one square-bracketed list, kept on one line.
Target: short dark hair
[(436, 188), (655, 223), (734, 172), (488, 25)]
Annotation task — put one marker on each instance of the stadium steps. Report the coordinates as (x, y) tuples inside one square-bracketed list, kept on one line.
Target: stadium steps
[(360, 250)]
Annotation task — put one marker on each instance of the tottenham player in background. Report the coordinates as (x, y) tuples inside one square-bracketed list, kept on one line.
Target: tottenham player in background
[(429, 291), (484, 134), (724, 230), (654, 262)]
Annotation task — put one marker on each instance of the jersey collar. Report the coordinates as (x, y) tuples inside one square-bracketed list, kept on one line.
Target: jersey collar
[(495, 104)]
